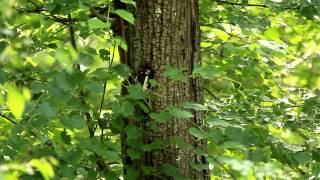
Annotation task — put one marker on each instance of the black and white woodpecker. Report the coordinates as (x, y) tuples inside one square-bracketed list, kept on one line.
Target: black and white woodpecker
[(143, 78)]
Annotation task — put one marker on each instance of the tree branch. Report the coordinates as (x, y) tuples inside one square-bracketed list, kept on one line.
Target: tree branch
[(44, 12), (95, 12), (240, 4), (48, 143), (8, 119), (72, 37), (214, 96)]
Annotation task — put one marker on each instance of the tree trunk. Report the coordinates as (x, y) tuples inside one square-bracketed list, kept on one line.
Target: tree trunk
[(166, 32)]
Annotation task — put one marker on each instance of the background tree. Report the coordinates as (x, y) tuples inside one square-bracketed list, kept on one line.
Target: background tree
[(165, 40)]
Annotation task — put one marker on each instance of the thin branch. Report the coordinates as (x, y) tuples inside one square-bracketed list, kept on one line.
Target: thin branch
[(241, 4), (74, 45), (48, 143), (61, 29), (8, 119), (100, 163), (44, 12), (214, 158), (213, 95), (104, 91), (273, 80), (72, 37), (95, 12), (33, 3), (35, 79)]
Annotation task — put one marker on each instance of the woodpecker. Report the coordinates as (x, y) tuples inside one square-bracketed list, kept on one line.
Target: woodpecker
[(143, 78)]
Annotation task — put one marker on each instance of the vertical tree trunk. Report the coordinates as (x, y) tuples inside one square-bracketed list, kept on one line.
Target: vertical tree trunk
[(166, 32)]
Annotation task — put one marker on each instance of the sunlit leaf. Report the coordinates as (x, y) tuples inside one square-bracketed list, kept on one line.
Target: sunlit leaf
[(95, 23), (17, 100), (44, 167)]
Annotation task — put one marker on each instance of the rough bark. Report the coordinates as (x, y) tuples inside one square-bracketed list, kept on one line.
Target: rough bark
[(166, 32)]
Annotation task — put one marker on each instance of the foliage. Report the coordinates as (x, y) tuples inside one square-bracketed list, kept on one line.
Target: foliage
[(263, 120), (61, 112)]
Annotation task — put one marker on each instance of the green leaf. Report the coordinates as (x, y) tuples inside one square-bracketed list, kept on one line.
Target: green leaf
[(127, 109), (174, 74), (178, 113), (3, 76), (66, 57), (217, 123), (121, 42), (111, 155), (133, 132), (74, 121), (73, 156), (274, 34), (126, 15), (44, 167), (274, 46), (194, 106), (197, 133), (172, 171), (180, 143), (136, 92), (44, 59), (104, 54), (161, 117), (16, 101), (304, 4), (220, 34), (95, 23), (207, 72), (122, 70), (156, 144), (116, 125), (46, 110), (233, 145), (144, 106), (3, 46), (199, 167), (65, 137), (134, 154), (303, 157), (149, 169)]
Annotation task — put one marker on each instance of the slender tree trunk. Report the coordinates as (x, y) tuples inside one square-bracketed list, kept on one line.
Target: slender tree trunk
[(166, 32)]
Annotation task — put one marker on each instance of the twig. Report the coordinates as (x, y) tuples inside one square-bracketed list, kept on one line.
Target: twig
[(241, 4), (104, 92), (44, 12), (48, 143), (74, 45), (100, 163), (273, 80), (72, 37), (61, 29), (64, 20), (213, 95), (33, 3), (8, 119), (97, 14)]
